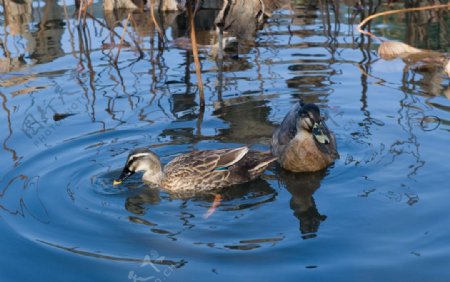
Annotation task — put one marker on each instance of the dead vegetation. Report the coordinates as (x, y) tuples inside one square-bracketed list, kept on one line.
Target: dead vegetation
[(414, 58)]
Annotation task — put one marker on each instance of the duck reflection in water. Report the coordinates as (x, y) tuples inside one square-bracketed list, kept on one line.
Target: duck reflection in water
[(137, 202), (302, 187), (236, 197)]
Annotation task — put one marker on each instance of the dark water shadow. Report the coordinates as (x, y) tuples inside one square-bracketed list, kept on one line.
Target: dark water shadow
[(236, 197), (193, 206), (302, 187)]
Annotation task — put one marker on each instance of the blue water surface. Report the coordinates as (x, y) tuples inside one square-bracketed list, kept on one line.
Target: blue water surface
[(70, 116)]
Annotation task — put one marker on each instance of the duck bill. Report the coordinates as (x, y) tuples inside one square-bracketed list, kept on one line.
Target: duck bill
[(321, 133), (123, 176)]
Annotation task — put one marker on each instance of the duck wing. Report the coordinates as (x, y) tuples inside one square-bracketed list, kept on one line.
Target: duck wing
[(250, 166), (201, 162), (286, 131)]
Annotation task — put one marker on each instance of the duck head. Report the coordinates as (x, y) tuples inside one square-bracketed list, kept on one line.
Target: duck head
[(141, 159), (311, 121)]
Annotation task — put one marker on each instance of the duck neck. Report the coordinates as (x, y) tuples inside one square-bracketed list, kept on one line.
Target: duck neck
[(153, 177), (153, 169)]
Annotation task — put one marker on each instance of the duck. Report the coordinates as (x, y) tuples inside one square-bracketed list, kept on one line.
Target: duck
[(197, 171), (303, 142)]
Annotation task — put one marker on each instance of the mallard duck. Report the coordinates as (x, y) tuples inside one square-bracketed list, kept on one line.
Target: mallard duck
[(303, 142), (197, 171)]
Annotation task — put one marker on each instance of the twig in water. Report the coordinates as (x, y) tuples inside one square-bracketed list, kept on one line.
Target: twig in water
[(105, 26), (371, 17), (195, 53), (83, 10), (152, 16), (122, 38), (136, 44)]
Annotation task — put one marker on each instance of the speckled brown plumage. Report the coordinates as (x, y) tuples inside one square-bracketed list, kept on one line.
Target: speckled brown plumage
[(214, 169), (198, 171)]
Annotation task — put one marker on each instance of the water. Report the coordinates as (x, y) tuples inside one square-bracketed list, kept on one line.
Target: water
[(70, 117)]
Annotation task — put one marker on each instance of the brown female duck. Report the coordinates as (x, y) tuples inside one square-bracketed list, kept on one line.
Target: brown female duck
[(197, 171), (303, 142)]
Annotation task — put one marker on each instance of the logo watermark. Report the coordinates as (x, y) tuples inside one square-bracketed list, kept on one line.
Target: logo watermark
[(41, 124), (157, 265)]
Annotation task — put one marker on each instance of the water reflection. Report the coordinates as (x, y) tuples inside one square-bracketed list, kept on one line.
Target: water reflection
[(191, 209), (45, 43), (6, 147), (138, 204), (430, 81), (18, 15), (234, 198), (312, 69), (302, 187), (417, 27), (43, 39), (247, 120)]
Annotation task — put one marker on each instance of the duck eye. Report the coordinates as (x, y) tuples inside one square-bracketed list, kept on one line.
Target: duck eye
[(316, 130)]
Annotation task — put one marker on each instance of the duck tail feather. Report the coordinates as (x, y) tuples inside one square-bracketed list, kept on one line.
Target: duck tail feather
[(262, 165)]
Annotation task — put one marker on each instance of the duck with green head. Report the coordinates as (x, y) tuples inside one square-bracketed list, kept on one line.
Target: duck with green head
[(303, 142)]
